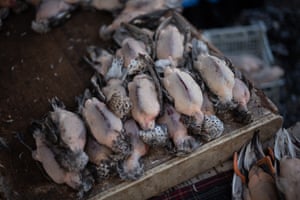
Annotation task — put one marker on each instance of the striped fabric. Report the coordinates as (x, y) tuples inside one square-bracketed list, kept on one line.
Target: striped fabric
[(217, 187)]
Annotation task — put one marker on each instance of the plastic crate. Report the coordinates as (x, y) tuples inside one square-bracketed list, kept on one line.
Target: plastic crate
[(249, 39)]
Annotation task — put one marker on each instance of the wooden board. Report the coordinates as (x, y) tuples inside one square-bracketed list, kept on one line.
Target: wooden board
[(181, 169)]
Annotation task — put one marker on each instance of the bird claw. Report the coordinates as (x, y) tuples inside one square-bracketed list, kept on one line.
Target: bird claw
[(130, 174), (267, 161), (187, 145), (155, 137), (121, 146), (213, 128), (236, 168)]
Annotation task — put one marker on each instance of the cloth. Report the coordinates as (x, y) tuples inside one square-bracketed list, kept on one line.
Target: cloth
[(217, 187)]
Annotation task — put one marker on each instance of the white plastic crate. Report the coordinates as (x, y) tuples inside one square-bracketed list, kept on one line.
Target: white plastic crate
[(249, 39)]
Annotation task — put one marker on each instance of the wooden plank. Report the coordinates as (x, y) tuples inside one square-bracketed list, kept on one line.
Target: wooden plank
[(180, 169)]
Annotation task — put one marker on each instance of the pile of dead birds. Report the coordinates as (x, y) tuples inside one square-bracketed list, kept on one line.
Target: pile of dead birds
[(274, 175), (51, 13), (163, 86)]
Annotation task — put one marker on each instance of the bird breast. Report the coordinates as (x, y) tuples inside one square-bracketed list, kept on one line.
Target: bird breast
[(184, 90), (44, 155), (145, 105), (71, 128), (104, 125), (241, 93), (217, 76), (170, 43), (131, 49)]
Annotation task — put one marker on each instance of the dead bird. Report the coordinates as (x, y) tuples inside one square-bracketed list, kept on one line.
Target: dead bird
[(112, 89), (151, 20), (101, 158), (217, 76), (132, 168), (287, 166), (75, 179), (170, 44), (212, 127), (51, 13), (186, 94), (135, 8), (241, 97), (136, 48), (99, 59), (104, 125), (250, 180), (228, 88), (145, 103), (128, 30), (66, 136), (171, 38), (107, 5), (130, 53), (183, 142), (135, 54)]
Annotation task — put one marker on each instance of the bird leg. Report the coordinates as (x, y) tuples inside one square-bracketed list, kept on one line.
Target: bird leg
[(267, 161), (271, 153), (236, 168)]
